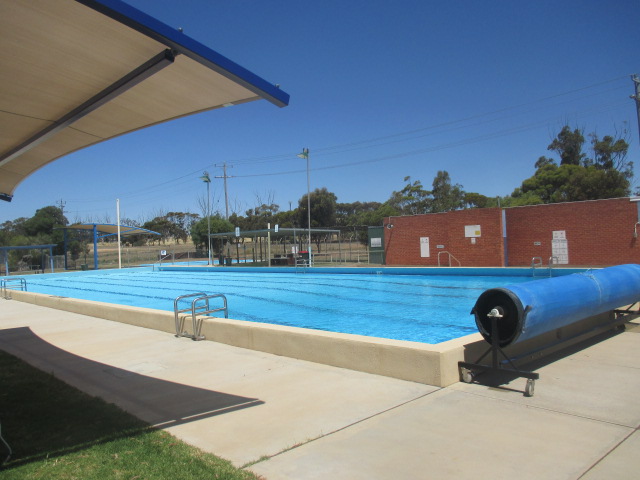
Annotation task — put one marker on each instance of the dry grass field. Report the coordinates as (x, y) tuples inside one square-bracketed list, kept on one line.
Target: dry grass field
[(330, 253)]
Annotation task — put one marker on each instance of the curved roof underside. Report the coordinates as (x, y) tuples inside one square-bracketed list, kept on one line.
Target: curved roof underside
[(111, 229), (77, 72)]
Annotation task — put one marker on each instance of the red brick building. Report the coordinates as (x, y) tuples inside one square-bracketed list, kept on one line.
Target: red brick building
[(591, 233)]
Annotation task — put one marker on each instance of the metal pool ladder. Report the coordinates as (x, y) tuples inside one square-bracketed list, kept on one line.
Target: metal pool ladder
[(553, 260), (451, 257), (536, 262), (7, 284), (199, 308), (301, 265)]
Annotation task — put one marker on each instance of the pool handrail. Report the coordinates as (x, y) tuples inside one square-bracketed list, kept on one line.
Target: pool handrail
[(553, 260), (176, 312), (450, 257), (205, 310), (4, 286)]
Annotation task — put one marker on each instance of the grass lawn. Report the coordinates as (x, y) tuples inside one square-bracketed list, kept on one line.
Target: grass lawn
[(58, 432)]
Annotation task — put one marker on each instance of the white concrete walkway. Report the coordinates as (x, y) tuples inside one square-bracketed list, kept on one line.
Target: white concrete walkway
[(254, 407)]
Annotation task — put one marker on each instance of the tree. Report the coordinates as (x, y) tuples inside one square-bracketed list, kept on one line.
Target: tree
[(181, 224), (77, 248), (542, 161), (520, 199), (10, 229), (160, 225), (286, 219), (199, 231), (578, 177), (476, 200), (44, 221), (44, 227), (323, 209), (348, 214), (412, 199), (568, 145), (446, 197), (256, 218), (611, 154), (323, 212), (571, 183)]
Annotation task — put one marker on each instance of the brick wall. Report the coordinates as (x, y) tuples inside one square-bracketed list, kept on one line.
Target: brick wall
[(446, 230), (596, 233)]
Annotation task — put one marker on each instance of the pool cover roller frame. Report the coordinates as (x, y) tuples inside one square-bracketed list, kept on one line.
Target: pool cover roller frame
[(513, 314)]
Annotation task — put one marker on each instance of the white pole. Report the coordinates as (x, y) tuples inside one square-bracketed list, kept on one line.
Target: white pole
[(268, 244), (305, 154), (119, 247), (308, 208), (209, 223), (205, 178)]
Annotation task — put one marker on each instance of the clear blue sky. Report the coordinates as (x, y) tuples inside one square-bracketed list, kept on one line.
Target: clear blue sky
[(379, 90)]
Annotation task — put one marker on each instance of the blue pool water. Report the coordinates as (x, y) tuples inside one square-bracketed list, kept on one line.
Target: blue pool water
[(429, 309)]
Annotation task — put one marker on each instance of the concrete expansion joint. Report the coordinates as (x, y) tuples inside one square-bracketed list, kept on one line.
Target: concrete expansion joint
[(547, 409), (605, 455), (323, 435)]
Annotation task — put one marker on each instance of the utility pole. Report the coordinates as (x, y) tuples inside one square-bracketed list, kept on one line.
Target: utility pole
[(636, 97), (61, 205), (226, 195)]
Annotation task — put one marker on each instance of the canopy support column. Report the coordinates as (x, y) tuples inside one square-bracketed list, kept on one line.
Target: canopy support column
[(66, 238), (95, 247)]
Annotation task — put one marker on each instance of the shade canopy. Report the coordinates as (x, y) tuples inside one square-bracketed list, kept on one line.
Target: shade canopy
[(77, 72), (4, 250), (281, 232), (110, 229), (28, 247)]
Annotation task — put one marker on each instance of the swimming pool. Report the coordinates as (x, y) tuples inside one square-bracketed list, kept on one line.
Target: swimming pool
[(420, 308)]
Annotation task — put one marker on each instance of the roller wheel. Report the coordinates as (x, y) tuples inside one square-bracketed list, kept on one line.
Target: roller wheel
[(467, 375), (529, 388)]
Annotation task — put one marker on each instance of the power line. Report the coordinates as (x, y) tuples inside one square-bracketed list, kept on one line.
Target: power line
[(380, 141), (324, 150), (430, 149)]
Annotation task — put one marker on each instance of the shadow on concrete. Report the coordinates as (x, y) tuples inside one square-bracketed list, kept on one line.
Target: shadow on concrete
[(157, 402), (529, 359)]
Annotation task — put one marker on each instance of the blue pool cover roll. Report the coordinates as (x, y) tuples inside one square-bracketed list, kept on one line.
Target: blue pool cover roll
[(533, 308)]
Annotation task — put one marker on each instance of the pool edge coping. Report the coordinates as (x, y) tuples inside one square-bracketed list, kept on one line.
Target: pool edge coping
[(431, 364)]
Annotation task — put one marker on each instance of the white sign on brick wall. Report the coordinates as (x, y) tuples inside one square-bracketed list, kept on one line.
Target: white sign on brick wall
[(471, 231), (424, 247), (560, 247)]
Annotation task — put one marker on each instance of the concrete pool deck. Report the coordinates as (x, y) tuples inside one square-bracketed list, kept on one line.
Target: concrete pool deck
[(246, 405), (432, 364)]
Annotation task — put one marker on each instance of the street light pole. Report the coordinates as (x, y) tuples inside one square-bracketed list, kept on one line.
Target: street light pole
[(636, 97), (305, 155), (119, 244), (206, 179)]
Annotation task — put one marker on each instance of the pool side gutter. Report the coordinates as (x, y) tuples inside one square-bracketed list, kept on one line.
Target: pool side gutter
[(379, 270), (431, 364)]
